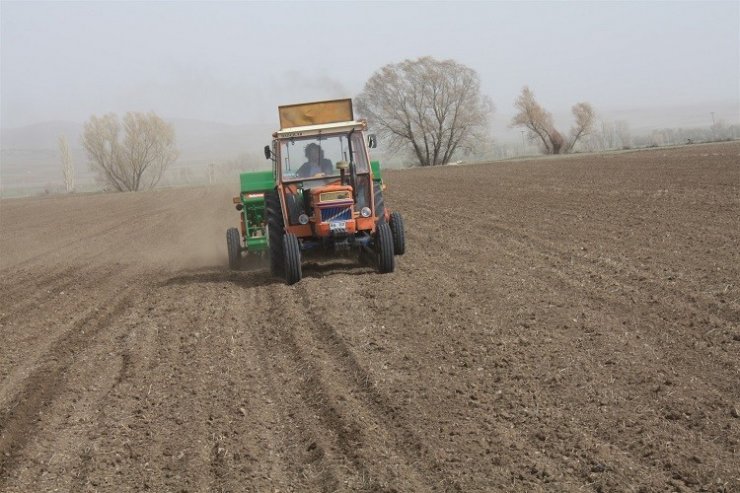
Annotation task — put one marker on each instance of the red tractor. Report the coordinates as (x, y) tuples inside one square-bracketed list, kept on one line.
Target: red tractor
[(328, 195)]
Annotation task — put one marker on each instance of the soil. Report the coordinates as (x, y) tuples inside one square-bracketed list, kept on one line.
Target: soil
[(565, 324)]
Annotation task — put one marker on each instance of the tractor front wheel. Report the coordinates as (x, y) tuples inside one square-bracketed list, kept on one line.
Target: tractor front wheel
[(275, 232), (292, 263), (384, 248), (399, 237), (233, 242)]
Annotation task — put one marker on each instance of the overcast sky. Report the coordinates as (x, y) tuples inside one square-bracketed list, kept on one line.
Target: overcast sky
[(235, 62)]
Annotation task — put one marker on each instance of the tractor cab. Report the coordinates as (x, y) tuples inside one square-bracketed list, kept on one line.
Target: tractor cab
[(324, 174)]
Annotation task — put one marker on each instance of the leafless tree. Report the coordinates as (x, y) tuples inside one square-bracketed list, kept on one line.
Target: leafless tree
[(68, 171), (539, 123), (429, 107), (132, 156), (584, 115)]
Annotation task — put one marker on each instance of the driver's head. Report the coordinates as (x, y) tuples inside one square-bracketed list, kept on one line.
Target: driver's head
[(313, 151)]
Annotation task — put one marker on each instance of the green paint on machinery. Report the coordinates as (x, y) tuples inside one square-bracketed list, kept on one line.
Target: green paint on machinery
[(252, 201), (375, 167)]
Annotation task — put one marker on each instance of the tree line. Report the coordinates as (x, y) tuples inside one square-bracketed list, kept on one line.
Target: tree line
[(427, 109), (434, 109)]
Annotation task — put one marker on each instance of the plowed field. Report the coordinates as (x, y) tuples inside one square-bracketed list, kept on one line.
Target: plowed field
[(565, 324)]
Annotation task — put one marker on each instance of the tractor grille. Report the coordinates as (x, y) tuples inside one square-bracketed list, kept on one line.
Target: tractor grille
[(331, 214)]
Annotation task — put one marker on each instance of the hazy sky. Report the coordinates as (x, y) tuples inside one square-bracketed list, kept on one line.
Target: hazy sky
[(235, 62)]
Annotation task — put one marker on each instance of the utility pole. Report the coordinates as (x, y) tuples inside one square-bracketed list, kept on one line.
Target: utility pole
[(712, 117)]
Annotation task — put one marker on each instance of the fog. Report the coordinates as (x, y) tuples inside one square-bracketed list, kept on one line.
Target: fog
[(652, 63)]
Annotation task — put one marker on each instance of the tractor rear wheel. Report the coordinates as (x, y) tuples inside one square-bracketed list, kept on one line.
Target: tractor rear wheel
[(275, 231), (399, 236), (292, 263), (384, 247), (233, 242)]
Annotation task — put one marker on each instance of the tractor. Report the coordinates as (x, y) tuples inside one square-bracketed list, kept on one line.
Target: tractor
[(323, 196)]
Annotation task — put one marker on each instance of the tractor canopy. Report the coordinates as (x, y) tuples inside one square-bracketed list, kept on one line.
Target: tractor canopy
[(322, 155), (315, 113)]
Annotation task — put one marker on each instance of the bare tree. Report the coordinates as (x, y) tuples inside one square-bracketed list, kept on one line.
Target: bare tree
[(584, 115), (136, 161), (68, 171), (539, 123), (429, 107)]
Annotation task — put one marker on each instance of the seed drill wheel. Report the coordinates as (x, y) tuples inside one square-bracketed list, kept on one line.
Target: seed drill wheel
[(275, 232), (233, 242), (292, 263), (384, 248), (399, 236)]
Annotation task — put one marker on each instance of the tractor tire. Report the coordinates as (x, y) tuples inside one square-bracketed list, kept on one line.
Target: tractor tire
[(384, 248), (292, 263), (399, 236), (379, 202), (275, 231), (233, 242)]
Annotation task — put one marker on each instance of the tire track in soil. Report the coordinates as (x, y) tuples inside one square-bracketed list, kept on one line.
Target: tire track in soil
[(21, 284), (460, 334), (124, 345), (26, 340), (513, 253), (352, 410), (48, 289), (46, 382), (198, 389), (308, 447), (326, 336), (112, 452), (176, 417), (407, 443)]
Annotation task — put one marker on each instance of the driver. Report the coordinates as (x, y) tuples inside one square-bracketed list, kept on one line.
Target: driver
[(317, 164)]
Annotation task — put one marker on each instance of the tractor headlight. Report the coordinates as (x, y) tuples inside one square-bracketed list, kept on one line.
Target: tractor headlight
[(365, 212), (303, 219)]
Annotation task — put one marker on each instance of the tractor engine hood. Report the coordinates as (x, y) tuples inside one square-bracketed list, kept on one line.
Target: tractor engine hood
[(331, 195), (334, 211)]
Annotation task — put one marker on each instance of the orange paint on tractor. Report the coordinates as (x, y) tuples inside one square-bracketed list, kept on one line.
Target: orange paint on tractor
[(300, 230)]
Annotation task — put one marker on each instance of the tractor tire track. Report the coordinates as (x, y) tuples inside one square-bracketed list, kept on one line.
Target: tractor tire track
[(46, 382), (420, 468)]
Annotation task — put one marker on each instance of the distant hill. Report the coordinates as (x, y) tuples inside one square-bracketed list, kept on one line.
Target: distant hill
[(40, 136)]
